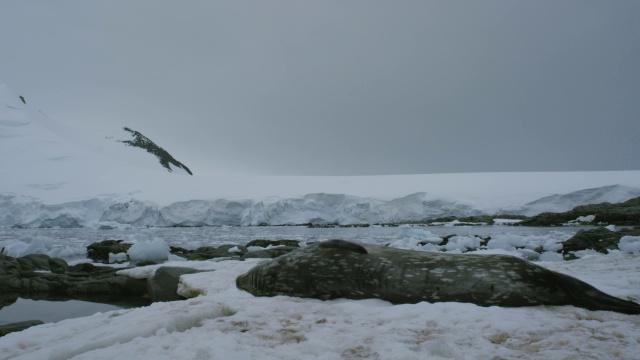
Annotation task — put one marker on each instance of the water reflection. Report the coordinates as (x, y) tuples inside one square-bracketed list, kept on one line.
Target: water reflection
[(54, 309)]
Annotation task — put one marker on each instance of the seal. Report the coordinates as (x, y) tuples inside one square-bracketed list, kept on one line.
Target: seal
[(341, 269)]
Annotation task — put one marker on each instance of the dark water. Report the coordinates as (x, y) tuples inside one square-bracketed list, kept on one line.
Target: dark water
[(50, 311)]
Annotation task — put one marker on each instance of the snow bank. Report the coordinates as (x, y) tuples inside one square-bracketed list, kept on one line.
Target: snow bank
[(630, 244), (223, 322)]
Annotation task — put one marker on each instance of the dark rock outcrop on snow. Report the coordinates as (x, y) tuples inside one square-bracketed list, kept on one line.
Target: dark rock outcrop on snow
[(273, 248), (210, 252), (143, 142), (565, 202), (163, 286), (37, 274), (267, 243), (99, 252), (18, 326), (626, 213), (601, 240)]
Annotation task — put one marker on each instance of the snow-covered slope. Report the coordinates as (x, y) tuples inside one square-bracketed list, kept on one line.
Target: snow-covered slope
[(42, 158), (566, 202), (51, 175)]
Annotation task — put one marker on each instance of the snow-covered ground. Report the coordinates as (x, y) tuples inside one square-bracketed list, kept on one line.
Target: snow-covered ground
[(221, 322), (224, 322)]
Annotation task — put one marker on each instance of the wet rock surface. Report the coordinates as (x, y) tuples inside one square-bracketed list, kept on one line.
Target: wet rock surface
[(601, 240), (18, 326), (40, 274), (266, 243), (99, 252), (623, 214), (163, 286), (211, 252)]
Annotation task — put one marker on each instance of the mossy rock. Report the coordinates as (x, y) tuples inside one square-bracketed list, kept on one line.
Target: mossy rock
[(267, 243), (99, 252)]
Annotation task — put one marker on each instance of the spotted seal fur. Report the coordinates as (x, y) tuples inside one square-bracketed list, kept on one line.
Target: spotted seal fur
[(341, 269)]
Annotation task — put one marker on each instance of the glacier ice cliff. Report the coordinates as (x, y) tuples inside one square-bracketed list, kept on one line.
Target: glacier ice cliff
[(316, 209)]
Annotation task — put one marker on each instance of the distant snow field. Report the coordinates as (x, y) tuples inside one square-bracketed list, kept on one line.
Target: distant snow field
[(56, 176)]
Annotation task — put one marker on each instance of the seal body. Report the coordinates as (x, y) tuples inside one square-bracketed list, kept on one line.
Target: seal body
[(342, 269)]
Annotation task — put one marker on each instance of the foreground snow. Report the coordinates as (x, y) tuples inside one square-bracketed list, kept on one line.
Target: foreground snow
[(223, 323)]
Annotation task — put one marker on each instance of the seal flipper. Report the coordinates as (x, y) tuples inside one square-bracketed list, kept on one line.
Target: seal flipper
[(343, 245), (588, 297)]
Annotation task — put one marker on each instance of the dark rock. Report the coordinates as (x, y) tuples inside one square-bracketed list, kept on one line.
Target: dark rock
[(33, 262), (269, 253), (18, 326), (163, 286), (445, 239), (267, 243), (600, 240), (485, 240), (210, 252), (626, 213), (320, 222), (143, 142), (99, 252), (176, 250), (145, 263), (7, 299), (39, 274)]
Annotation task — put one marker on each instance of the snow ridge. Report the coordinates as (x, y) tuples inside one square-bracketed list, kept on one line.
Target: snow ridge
[(566, 202), (315, 209)]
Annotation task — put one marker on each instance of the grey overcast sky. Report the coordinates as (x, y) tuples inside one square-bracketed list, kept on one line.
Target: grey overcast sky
[(341, 87)]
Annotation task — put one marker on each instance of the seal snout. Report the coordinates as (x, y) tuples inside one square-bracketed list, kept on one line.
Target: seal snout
[(240, 281)]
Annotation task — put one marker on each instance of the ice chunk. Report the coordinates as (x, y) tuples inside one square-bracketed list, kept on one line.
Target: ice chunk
[(551, 256), (630, 244), (153, 250), (462, 243), (416, 233)]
